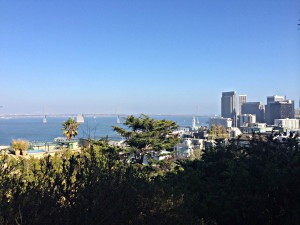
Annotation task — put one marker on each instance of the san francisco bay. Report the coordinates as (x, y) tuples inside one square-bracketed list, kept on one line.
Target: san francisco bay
[(33, 129)]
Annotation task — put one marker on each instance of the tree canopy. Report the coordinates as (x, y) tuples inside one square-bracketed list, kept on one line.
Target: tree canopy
[(70, 128), (218, 131), (144, 134), (257, 183)]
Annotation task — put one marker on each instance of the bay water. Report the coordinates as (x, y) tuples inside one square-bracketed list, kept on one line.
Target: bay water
[(33, 129)]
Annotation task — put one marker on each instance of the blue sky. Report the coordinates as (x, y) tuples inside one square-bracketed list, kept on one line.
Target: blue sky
[(168, 57)]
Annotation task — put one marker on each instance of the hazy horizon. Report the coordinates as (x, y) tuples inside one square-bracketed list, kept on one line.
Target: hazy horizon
[(166, 57), (18, 115)]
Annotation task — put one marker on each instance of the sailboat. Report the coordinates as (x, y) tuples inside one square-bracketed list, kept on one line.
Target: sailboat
[(44, 119), (80, 118), (194, 122), (118, 119)]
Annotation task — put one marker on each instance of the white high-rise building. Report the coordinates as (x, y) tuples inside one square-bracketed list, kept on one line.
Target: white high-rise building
[(292, 124)]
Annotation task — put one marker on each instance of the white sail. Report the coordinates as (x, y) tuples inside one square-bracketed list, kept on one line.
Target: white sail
[(80, 118), (118, 119), (194, 123), (44, 119)]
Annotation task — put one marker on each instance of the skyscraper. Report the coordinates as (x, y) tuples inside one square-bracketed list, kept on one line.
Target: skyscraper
[(281, 110), (271, 99), (275, 98), (255, 108), (242, 100), (228, 106)]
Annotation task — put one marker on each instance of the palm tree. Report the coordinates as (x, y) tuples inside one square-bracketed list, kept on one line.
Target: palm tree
[(70, 128)]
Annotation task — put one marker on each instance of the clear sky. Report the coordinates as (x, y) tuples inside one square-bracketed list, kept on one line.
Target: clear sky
[(145, 56)]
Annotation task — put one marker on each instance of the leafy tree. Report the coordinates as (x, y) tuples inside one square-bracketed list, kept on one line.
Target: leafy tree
[(70, 128), (145, 135), (235, 184), (218, 131)]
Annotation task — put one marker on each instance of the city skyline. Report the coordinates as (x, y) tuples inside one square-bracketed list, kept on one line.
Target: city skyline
[(145, 57), (223, 103)]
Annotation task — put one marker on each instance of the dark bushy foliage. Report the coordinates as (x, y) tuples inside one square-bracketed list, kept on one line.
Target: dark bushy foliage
[(258, 184)]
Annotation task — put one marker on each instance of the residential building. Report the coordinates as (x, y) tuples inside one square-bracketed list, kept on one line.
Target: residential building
[(257, 128), (292, 124), (255, 108)]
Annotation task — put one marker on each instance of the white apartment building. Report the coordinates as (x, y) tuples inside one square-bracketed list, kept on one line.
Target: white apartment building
[(292, 124)]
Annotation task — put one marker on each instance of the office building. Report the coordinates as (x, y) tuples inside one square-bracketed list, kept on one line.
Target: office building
[(297, 113), (271, 99), (246, 119), (255, 108), (275, 98), (281, 110), (228, 106), (242, 100)]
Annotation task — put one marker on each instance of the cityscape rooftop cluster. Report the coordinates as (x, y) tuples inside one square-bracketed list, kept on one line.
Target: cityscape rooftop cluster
[(277, 111)]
